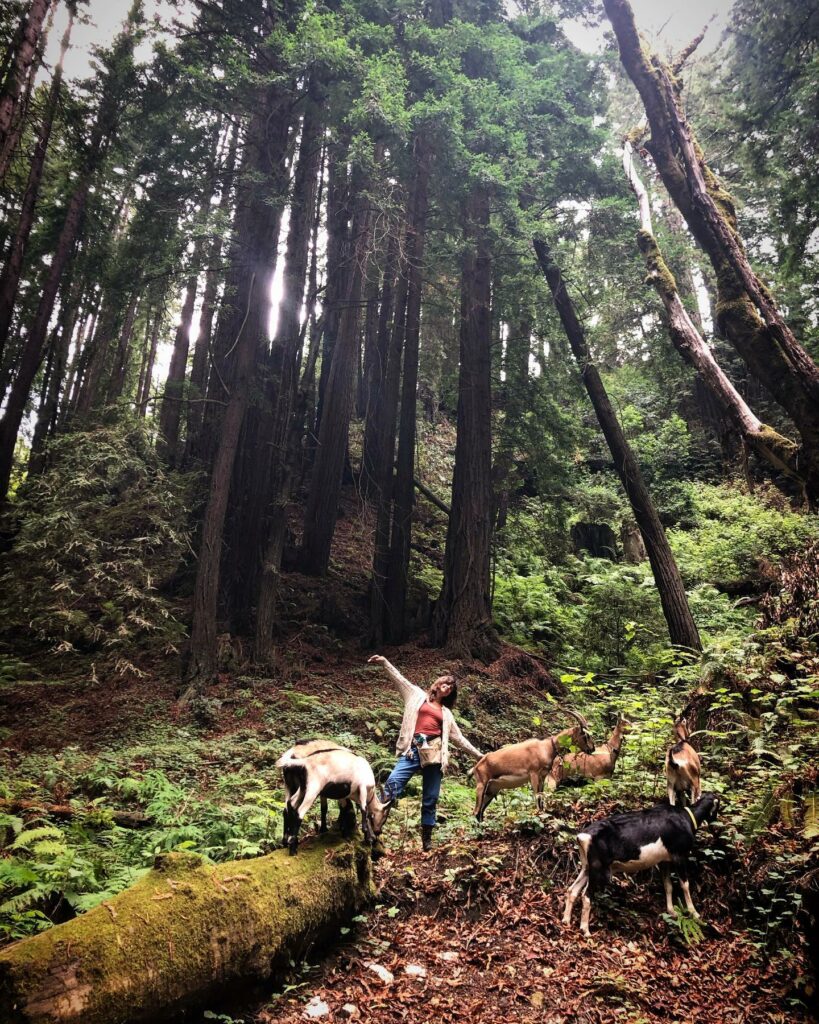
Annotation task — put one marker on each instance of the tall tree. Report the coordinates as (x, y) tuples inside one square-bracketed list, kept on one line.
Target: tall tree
[(463, 614), (117, 82), (13, 87), (746, 308), (681, 626), (12, 269)]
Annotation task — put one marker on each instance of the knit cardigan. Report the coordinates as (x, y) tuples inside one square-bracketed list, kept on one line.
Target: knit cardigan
[(413, 697)]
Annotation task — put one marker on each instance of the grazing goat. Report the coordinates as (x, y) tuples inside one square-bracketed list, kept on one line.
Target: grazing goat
[(662, 836), (682, 767), (599, 764), (518, 763), (322, 769)]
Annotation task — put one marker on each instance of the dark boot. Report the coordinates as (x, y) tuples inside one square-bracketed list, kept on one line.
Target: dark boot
[(426, 837)]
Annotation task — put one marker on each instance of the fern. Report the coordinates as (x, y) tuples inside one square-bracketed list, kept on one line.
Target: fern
[(33, 835)]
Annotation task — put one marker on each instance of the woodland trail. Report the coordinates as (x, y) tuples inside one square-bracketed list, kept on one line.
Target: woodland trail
[(482, 922)]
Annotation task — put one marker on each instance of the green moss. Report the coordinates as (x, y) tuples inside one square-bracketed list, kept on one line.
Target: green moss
[(658, 273), (186, 927)]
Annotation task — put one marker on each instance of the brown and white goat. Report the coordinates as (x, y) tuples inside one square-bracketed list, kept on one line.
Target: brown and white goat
[(682, 767), (529, 761), (599, 764)]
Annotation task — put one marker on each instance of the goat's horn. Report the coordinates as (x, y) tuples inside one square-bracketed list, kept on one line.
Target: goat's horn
[(577, 716)]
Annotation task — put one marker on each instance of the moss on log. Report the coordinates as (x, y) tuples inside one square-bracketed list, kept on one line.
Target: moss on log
[(181, 934)]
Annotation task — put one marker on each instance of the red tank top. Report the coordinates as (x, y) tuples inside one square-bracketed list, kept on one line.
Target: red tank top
[(430, 720)]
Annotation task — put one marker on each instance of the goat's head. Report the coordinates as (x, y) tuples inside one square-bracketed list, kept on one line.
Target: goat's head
[(681, 730), (709, 803), (378, 810), (623, 725), (581, 734)]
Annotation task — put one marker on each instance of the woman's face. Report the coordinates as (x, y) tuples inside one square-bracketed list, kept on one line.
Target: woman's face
[(441, 688)]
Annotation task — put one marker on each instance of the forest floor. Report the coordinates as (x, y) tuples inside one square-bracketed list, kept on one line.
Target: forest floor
[(471, 932)]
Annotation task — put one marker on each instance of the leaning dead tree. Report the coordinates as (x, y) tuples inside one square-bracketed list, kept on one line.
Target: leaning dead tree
[(780, 452), (746, 309), (682, 629), (182, 934)]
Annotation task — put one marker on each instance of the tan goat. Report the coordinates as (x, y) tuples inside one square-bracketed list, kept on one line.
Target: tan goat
[(518, 763), (599, 764), (682, 767)]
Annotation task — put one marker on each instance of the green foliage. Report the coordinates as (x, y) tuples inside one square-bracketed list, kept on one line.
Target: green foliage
[(99, 532), (734, 535)]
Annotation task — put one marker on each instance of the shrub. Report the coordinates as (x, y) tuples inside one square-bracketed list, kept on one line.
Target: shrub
[(734, 536), (99, 532)]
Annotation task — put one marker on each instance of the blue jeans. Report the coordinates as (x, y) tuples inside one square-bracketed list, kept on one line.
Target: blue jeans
[(431, 776)]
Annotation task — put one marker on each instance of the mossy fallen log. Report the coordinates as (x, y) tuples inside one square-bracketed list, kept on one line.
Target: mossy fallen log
[(182, 934)]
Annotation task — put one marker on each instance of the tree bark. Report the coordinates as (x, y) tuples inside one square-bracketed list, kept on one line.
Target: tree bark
[(285, 358), (257, 220), (779, 452), (325, 487), (119, 370), (746, 309), (184, 933), (170, 410), (463, 614), (47, 415), (201, 349), (33, 347), (375, 371), (24, 56), (404, 497), (681, 626), (144, 394), (10, 277), (382, 454)]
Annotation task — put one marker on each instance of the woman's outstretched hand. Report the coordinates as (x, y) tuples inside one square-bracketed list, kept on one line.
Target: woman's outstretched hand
[(376, 659)]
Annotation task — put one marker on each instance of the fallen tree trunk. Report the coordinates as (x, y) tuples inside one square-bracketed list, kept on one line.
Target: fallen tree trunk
[(182, 934), (130, 819)]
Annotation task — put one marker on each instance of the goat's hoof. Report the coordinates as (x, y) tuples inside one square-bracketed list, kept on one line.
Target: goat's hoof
[(585, 933)]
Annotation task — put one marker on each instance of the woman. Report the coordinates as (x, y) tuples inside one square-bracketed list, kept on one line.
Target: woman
[(423, 742)]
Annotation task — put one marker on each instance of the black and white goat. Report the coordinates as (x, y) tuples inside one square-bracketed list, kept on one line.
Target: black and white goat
[(662, 836), (321, 769)]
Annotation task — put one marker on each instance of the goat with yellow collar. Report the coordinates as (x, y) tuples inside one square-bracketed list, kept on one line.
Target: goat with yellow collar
[(662, 836)]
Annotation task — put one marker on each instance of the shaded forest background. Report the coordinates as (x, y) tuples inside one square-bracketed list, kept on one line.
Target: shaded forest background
[(311, 315)]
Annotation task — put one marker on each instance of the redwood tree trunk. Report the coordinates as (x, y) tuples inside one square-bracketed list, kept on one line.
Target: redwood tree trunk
[(33, 347), (404, 495), (10, 277), (383, 465), (681, 626), (170, 410), (285, 370), (375, 371), (31, 30), (325, 487), (746, 309), (201, 350), (771, 446), (463, 615), (250, 273)]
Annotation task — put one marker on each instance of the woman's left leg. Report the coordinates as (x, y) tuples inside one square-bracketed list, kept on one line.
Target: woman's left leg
[(431, 776)]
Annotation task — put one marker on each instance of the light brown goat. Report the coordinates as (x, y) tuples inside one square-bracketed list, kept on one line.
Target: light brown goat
[(599, 764), (682, 767), (518, 763)]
